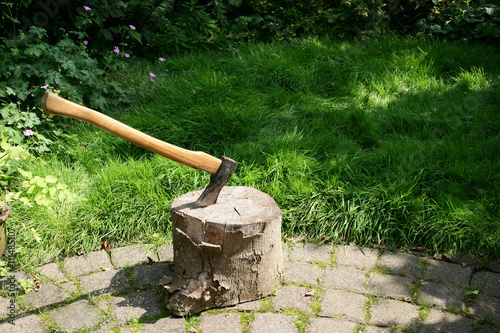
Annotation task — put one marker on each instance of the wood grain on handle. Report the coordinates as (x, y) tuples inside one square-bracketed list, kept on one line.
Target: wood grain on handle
[(53, 104)]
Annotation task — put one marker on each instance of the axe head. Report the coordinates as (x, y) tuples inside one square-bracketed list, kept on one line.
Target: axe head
[(217, 182)]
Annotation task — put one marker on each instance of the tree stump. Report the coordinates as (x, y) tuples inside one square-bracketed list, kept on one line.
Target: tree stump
[(227, 253)]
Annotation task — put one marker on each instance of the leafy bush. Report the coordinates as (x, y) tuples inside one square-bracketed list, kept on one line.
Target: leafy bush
[(463, 20)]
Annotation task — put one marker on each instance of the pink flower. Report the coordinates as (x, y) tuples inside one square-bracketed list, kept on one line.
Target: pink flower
[(87, 8), (45, 86), (86, 42), (152, 75), (28, 132), (117, 49), (152, 79), (161, 59), (132, 27), (127, 55)]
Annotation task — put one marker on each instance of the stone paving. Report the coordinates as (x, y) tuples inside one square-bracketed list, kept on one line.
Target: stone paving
[(327, 289)]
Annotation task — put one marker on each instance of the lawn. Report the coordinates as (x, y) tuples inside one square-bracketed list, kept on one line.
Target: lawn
[(393, 141)]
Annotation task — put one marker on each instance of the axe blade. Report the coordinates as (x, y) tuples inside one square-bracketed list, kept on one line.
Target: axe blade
[(217, 182)]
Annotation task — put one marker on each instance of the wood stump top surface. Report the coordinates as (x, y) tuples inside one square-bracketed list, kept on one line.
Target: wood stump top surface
[(238, 208)]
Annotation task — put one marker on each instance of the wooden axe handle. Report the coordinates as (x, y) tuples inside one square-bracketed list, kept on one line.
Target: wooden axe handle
[(53, 104)]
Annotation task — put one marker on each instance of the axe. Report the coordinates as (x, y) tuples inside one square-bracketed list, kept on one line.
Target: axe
[(220, 169)]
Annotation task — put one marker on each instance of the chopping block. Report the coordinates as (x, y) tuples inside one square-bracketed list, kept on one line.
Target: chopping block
[(226, 253)]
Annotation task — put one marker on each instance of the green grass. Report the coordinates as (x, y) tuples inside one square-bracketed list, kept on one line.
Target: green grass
[(391, 141)]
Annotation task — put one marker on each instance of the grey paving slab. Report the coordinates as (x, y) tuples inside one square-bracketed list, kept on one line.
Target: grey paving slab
[(69, 286), (76, 315), (438, 321), (447, 272), (377, 329), (355, 256), (293, 298), (131, 256), (248, 306), (386, 312), (154, 275), (441, 295), (331, 325), (135, 305), (310, 253), (49, 294), (273, 322), (164, 325), (14, 276), (23, 324), (344, 277), (88, 263), (401, 262), (393, 286), (340, 303), (104, 282), (220, 323), (165, 253), (52, 272), (5, 304), (486, 307), (487, 282), (300, 272)]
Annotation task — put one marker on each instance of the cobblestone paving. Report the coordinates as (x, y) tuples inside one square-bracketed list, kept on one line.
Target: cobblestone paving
[(327, 289)]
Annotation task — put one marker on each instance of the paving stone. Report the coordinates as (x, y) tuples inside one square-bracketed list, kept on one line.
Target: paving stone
[(273, 322), (344, 277), (386, 312), (442, 296), (299, 272), (23, 324), (293, 298), (76, 315), (438, 321), (52, 271), (48, 295), (248, 306), (325, 325), (130, 256), (341, 303), (390, 285), (104, 282), (88, 263), (135, 305), (447, 272), (166, 253), (491, 329), (165, 325), (401, 262), (150, 275), (69, 286), (376, 329), (220, 323), (4, 306), (310, 252), (357, 257), (488, 283), (6, 281), (486, 307)]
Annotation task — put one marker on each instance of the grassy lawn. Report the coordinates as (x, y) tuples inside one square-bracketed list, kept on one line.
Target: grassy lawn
[(394, 141)]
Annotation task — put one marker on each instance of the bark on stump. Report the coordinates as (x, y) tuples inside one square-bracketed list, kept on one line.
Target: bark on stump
[(227, 253)]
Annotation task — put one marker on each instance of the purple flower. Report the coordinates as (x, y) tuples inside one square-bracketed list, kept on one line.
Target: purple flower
[(152, 75), (117, 49), (127, 55), (45, 86), (87, 8), (152, 79), (161, 59), (86, 42), (28, 132), (132, 27)]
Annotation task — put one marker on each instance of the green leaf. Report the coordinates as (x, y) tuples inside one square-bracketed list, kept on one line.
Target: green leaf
[(25, 174), (51, 179)]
